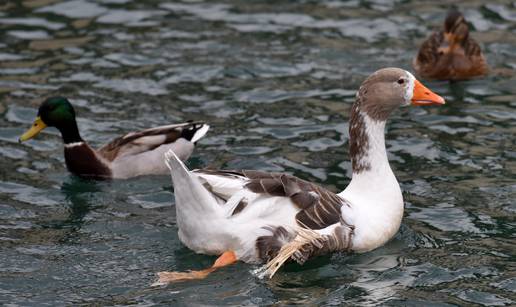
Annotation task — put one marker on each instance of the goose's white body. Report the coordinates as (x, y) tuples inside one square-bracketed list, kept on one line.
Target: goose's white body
[(375, 196), (272, 217), (374, 207)]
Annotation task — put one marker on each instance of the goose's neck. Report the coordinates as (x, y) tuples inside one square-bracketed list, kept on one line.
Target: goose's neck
[(367, 144), (374, 195), (372, 174)]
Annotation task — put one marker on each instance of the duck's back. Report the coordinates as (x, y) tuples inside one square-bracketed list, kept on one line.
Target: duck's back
[(465, 62)]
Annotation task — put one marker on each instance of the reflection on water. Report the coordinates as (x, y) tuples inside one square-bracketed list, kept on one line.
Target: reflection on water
[(80, 195), (276, 81)]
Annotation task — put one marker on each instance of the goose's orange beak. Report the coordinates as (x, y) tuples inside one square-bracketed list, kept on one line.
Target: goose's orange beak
[(424, 97)]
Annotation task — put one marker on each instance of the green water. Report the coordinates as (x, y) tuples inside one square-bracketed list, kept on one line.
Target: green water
[(275, 80)]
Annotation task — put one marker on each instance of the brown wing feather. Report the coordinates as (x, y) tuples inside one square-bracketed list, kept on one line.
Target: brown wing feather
[(135, 143), (427, 56), (474, 53), (320, 207), (324, 212), (472, 48), (269, 246), (339, 240)]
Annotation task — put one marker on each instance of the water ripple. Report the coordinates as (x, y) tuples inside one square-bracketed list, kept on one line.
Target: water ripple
[(276, 81), (75, 9)]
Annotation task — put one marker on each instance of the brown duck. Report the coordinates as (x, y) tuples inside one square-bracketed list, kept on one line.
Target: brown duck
[(451, 54), (134, 154)]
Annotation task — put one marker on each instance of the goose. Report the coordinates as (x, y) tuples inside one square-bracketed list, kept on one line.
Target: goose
[(134, 154), (261, 217), (451, 54)]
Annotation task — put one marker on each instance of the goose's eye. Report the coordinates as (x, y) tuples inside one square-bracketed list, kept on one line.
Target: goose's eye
[(401, 81)]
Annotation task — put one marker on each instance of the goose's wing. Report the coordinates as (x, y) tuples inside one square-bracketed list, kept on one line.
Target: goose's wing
[(321, 227), (318, 209), (138, 142)]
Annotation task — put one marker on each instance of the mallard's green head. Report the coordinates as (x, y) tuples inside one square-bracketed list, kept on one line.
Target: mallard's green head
[(54, 112)]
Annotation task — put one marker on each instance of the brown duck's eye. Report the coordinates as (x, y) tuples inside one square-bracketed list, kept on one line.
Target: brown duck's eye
[(401, 81)]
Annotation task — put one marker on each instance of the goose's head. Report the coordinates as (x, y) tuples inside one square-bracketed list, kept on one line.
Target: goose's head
[(389, 88)]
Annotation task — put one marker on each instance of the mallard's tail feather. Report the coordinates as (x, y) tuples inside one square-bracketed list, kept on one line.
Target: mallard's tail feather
[(195, 132)]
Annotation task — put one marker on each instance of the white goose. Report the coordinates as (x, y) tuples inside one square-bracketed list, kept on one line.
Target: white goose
[(256, 216)]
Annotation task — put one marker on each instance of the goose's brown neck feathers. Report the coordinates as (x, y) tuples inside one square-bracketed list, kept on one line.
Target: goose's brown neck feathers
[(358, 139)]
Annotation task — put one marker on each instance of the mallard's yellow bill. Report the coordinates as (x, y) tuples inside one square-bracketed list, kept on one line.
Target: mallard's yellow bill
[(37, 126)]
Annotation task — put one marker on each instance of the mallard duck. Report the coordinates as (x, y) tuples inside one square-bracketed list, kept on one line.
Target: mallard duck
[(451, 54), (261, 217), (134, 154)]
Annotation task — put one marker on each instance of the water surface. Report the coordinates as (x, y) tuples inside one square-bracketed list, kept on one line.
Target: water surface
[(276, 80)]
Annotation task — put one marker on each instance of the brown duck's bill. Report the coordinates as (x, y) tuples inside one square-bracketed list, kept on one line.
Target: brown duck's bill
[(422, 96), (36, 128)]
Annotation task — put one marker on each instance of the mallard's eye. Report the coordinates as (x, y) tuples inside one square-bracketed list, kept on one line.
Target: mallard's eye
[(401, 81)]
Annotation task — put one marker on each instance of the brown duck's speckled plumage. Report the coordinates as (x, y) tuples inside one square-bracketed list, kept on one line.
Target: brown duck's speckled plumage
[(466, 62)]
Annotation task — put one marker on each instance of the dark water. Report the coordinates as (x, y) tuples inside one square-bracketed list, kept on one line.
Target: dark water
[(276, 80)]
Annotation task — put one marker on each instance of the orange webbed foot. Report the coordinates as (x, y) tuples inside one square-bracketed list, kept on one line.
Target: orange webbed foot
[(164, 278), (168, 277)]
